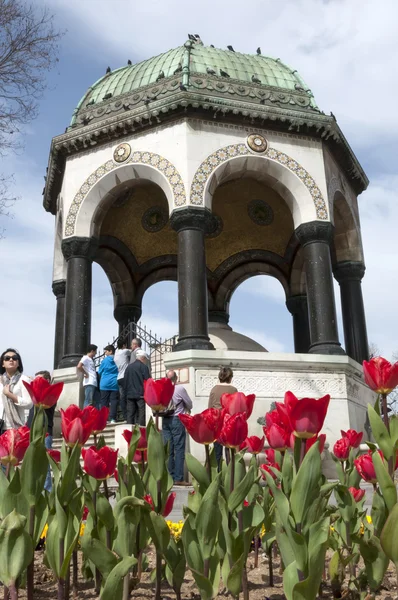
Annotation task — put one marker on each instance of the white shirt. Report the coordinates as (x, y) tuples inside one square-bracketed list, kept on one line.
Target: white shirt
[(122, 359), (24, 401), (89, 367)]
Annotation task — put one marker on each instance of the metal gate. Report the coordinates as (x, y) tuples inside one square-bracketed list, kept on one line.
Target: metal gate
[(155, 347)]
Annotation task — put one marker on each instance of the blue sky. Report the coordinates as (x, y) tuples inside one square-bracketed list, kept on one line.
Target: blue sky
[(344, 49)]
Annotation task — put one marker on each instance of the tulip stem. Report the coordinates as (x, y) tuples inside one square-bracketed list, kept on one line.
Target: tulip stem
[(13, 592), (245, 585), (106, 489), (303, 443), (143, 462), (208, 465), (270, 567), (61, 582), (157, 421), (256, 549), (8, 467), (384, 407), (30, 570), (6, 593), (74, 573), (231, 484), (97, 575), (158, 554)]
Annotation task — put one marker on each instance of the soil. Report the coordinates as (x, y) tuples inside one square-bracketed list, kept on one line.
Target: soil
[(46, 586)]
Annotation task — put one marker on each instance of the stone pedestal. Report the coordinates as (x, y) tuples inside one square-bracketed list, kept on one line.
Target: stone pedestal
[(269, 376), (72, 393)]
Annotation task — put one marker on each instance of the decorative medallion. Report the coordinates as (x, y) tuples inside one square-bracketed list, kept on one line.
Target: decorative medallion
[(257, 142), (260, 212), (215, 226), (222, 155), (154, 219), (122, 152)]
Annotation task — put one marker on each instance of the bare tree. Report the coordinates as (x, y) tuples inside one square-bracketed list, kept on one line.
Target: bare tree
[(373, 350), (28, 50)]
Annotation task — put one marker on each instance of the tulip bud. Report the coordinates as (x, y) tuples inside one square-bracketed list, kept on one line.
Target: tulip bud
[(341, 449), (356, 493)]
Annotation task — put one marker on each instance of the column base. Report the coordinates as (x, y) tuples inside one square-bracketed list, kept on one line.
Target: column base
[(326, 348), (193, 343), (70, 360)]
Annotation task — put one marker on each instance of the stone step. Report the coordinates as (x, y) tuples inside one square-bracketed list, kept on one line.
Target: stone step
[(108, 434)]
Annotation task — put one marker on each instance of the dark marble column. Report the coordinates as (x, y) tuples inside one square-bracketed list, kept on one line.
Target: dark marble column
[(79, 253), (349, 274), (218, 316), (191, 225), (315, 238), (126, 314), (298, 308), (59, 292)]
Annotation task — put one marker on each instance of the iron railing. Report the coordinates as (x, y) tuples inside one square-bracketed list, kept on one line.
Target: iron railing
[(154, 347)]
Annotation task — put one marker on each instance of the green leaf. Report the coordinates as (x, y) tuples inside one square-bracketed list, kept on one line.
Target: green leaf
[(105, 512), (346, 503), (376, 561), (385, 482), (389, 536), (159, 530), (99, 554), (156, 456), (69, 475), (113, 587), (16, 548), (379, 512), (394, 429), (198, 471), (240, 492), (287, 474), (208, 519), (380, 433), (306, 484), (234, 579), (34, 471)]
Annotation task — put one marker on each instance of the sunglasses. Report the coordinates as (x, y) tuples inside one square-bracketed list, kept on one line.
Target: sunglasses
[(12, 357)]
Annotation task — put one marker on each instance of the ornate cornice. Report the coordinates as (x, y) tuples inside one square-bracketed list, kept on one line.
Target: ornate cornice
[(314, 231), (191, 218), (349, 271), (83, 247), (59, 288)]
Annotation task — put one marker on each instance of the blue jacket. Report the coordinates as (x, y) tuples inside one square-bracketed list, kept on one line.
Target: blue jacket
[(108, 372)]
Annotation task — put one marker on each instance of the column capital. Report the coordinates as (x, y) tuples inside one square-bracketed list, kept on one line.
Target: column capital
[(59, 288), (314, 231), (296, 304), (218, 316), (127, 312), (191, 218), (79, 247), (349, 271)]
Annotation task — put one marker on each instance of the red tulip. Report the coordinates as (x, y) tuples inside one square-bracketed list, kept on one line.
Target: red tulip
[(99, 418), (204, 427), (253, 444), (285, 408), (55, 455), (13, 445), (365, 467), (137, 458), (168, 507), (354, 437), (268, 469), (311, 441), (234, 430), (270, 455), (237, 403), (101, 463), (85, 513), (277, 437), (142, 442), (341, 449), (157, 394), (246, 503), (380, 375), (44, 393), (357, 494), (308, 415), (76, 425)]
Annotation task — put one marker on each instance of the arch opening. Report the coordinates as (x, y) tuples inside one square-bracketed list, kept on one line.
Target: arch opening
[(347, 237)]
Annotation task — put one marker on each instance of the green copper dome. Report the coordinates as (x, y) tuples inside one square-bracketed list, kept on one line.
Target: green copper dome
[(194, 60)]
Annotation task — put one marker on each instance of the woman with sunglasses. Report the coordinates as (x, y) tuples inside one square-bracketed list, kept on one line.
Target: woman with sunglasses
[(14, 397)]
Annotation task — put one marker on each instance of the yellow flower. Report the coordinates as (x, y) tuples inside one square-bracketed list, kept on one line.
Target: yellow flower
[(44, 532), (262, 532), (369, 519), (175, 529), (82, 527)]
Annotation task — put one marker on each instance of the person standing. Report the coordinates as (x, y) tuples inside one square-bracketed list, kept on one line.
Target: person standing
[(109, 388), (173, 430), (122, 360), (136, 345), (223, 387), (87, 367), (14, 397), (134, 376), (48, 440)]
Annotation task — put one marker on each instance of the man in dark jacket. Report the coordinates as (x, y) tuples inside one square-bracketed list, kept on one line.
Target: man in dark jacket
[(134, 377)]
